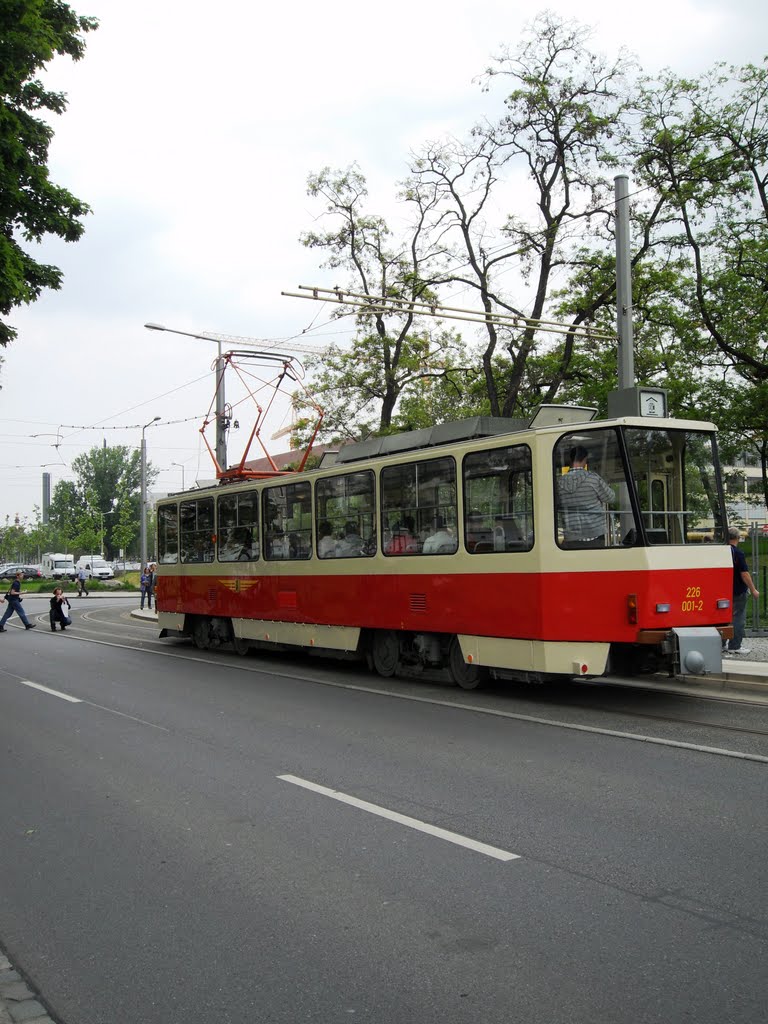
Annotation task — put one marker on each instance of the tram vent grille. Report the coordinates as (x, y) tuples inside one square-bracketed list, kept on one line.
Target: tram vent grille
[(211, 595), (418, 602)]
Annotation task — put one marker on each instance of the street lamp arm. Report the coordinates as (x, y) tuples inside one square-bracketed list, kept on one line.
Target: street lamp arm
[(239, 339)]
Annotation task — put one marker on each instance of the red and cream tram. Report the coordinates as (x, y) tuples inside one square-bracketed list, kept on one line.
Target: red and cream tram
[(455, 547)]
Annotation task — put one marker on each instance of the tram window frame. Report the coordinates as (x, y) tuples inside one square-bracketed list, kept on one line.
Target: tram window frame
[(282, 539), (200, 538), (407, 509), (506, 523), (237, 533), (348, 530), (167, 531)]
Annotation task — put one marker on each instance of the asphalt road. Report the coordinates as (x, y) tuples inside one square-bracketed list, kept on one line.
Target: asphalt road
[(207, 838)]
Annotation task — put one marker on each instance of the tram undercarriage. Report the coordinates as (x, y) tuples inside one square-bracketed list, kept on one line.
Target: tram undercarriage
[(467, 660)]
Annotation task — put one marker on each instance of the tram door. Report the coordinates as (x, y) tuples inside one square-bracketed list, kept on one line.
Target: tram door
[(653, 492), (661, 490)]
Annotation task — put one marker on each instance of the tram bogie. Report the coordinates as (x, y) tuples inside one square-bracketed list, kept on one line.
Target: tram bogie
[(474, 551)]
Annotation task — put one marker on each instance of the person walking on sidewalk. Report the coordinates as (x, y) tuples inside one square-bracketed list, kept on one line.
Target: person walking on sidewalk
[(742, 585), (82, 583), (13, 597)]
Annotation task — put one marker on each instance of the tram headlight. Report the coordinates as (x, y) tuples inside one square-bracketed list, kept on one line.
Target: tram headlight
[(724, 602), (663, 609)]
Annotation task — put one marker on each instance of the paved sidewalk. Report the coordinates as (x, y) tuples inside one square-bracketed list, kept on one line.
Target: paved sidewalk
[(18, 1003), (150, 614)]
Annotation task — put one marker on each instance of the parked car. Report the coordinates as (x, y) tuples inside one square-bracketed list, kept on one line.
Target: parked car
[(31, 572)]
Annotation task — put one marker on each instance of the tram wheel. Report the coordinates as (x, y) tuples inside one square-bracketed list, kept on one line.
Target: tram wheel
[(201, 634), (240, 645), (385, 652), (468, 677)]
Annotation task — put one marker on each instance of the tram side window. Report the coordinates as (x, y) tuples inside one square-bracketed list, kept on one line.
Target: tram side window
[(197, 530), (592, 502), (418, 508), (498, 500), (238, 527), (345, 516), (168, 534), (286, 515)]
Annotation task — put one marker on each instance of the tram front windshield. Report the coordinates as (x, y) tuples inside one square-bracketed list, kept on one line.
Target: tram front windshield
[(636, 485)]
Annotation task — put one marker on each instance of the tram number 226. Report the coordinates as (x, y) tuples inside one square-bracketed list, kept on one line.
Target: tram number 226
[(692, 602)]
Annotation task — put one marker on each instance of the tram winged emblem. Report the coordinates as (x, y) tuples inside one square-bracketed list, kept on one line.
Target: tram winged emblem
[(237, 584)]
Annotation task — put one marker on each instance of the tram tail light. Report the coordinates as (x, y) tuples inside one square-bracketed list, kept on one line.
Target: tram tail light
[(632, 609)]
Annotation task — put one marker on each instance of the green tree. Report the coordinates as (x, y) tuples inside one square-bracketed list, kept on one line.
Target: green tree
[(555, 139), (392, 352), (703, 147), (106, 490), (697, 152), (32, 32)]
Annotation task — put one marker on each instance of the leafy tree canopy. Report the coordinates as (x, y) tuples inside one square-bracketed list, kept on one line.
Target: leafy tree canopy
[(521, 213), (32, 32), (106, 493)]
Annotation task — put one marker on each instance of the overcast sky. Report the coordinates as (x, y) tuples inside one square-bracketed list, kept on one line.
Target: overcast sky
[(191, 130)]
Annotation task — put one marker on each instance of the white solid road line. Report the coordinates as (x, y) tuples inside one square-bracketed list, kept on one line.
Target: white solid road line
[(47, 689), (402, 819)]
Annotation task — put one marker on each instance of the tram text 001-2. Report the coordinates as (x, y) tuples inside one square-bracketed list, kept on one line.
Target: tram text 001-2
[(559, 548)]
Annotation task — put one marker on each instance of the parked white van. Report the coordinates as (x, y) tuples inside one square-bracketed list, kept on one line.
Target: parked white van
[(57, 566), (95, 567)]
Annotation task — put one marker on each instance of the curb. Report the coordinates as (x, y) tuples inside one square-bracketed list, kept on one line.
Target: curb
[(18, 1004)]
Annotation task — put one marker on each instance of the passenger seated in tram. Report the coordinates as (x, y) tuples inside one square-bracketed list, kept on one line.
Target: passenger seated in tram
[(326, 544), (236, 546), (351, 544), (403, 541), (583, 497), (442, 540), (278, 545)]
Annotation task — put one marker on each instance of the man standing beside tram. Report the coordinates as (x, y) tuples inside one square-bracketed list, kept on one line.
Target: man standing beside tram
[(742, 585)]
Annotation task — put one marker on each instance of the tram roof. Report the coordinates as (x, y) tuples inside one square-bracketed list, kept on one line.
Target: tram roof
[(429, 437), (476, 427), (462, 430)]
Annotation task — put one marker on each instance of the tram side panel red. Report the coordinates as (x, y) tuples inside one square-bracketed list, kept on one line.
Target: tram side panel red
[(486, 605), (584, 606), (599, 606)]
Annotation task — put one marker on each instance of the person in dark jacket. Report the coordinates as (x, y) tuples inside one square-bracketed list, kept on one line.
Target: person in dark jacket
[(742, 585), (13, 597), (60, 608), (144, 586)]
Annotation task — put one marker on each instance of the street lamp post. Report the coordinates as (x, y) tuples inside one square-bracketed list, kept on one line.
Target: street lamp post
[(221, 428), (144, 492), (101, 538)]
